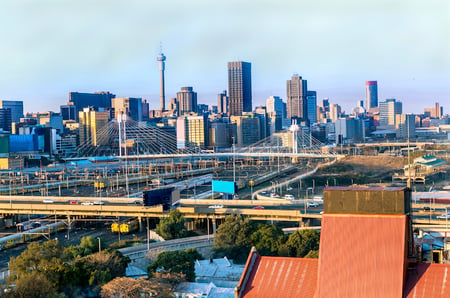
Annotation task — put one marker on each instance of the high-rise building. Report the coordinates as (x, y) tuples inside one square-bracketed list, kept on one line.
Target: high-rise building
[(434, 112), (68, 112), (405, 125), (239, 87), (349, 130), (16, 108), (335, 112), (91, 124), (275, 112), (311, 106), (371, 95), (186, 101), (145, 110), (5, 119), (296, 97), (192, 130), (222, 102), (162, 66), (94, 100), (261, 113), (129, 106), (247, 129), (388, 110), (220, 134)]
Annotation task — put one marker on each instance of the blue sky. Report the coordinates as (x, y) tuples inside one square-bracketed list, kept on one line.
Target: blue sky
[(51, 47)]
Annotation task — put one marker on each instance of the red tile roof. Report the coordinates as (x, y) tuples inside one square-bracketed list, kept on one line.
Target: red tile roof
[(281, 277), (430, 280), (362, 255)]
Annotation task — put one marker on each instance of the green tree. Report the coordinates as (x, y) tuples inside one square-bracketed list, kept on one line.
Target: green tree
[(47, 259), (300, 243), (99, 268), (233, 238), (172, 227), (33, 284), (89, 243), (160, 285), (178, 261), (312, 254), (267, 239)]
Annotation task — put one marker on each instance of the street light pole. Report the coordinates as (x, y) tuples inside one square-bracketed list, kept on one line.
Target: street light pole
[(99, 245)]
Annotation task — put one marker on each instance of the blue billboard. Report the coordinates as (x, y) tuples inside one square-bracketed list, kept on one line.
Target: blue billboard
[(224, 186)]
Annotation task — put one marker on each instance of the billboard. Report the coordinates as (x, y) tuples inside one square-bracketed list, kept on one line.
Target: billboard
[(229, 187)]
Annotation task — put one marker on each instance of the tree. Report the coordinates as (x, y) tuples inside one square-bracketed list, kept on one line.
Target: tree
[(300, 243), (179, 261), (47, 259), (172, 227), (33, 284), (312, 254), (99, 268), (233, 238), (89, 243), (267, 239), (158, 286)]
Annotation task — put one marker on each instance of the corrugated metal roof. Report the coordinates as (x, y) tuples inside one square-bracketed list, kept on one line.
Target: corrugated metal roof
[(362, 255), (430, 280), (282, 277)]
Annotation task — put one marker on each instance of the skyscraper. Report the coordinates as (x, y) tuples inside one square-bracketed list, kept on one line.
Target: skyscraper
[(222, 102), (371, 95), (161, 59), (130, 106), (388, 111), (311, 106), (91, 123), (296, 97), (186, 101), (94, 100), (16, 108), (239, 87)]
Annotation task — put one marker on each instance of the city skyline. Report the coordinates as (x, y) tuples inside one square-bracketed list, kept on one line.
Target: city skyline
[(110, 46)]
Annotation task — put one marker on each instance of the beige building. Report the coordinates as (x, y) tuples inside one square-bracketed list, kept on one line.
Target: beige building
[(192, 130), (91, 124)]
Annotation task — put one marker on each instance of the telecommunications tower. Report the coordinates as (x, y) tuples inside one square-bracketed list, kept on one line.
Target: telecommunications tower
[(161, 59)]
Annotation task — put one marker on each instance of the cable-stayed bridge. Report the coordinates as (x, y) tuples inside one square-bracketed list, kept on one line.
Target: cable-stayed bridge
[(131, 140)]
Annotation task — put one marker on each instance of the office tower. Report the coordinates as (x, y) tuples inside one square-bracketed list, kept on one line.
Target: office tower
[(5, 119), (173, 105), (434, 112), (405, 125), (388, 110), (68, 112), (264, 123), (276, 113), (145, 110), (296, 97), (91, 124), (94, 100), (326, 105), (371, 95), (162, 66), (16, 108), (186, 101), (220, 134), (130, 106), (222, 102), (246, 130), (202, 109), (239, 88), (349, 129), (51, 120), (335, 112), (311, 106), (192, 130)]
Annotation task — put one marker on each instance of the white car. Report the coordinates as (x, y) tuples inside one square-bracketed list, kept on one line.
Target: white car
[(215, 206), (99, 203), (48, 201), (312, 205), (87, 203), (289, 197), (443, 216), (274, 195)]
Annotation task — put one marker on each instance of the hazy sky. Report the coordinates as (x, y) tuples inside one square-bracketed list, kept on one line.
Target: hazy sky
[(49, 48)]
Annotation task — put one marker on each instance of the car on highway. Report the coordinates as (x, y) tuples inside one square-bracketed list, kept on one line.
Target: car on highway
[(74, 202), (87, 203), (99, 203), (274, 195), (289, 197), (47, 201), (258, 207), (443, 216), (312, 204), (215, 206)]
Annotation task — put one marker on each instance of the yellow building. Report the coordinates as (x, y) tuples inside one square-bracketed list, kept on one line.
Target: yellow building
[(91, 124)]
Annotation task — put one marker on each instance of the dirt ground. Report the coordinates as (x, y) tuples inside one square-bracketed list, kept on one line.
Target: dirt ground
[(373, 164)]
